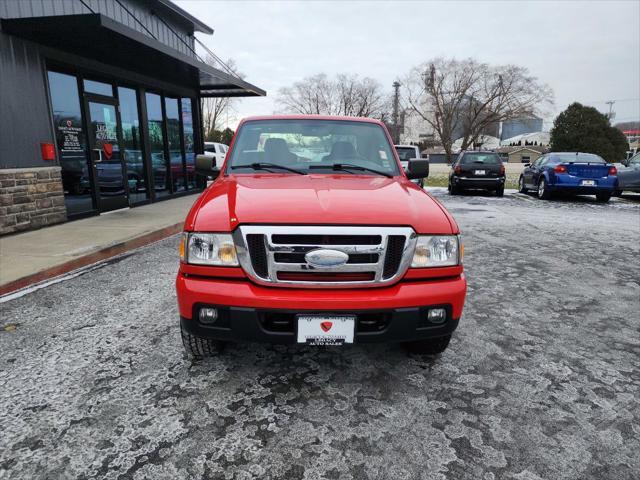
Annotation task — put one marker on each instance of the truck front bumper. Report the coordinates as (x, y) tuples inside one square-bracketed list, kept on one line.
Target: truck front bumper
[(249, 312)]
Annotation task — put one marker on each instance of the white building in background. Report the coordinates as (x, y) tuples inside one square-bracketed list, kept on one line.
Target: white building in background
[(520, 126), (417, 130), (536, 138), (484, 142)]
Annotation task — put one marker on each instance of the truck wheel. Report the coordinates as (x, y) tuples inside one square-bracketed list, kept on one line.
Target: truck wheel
[(198, 347), (454, 190), (603, 197), (432, 346), (521, 187)]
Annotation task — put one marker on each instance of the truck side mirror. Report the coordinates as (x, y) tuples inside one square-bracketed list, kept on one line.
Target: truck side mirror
[(418, 168), (206, 166)]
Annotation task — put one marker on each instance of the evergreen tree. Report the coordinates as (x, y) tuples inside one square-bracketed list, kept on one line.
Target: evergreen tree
[(584, 129)]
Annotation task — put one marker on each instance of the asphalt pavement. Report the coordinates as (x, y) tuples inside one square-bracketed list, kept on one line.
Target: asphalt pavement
[(541, 380)]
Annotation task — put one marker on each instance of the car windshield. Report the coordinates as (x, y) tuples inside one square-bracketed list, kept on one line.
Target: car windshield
[(312, 145), (406, 153), (576, 158), (486, 158)]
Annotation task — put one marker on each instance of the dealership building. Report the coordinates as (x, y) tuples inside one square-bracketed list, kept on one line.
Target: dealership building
[(100, 107)]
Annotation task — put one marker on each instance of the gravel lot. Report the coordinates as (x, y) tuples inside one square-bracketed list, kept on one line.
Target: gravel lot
[(541, 380)]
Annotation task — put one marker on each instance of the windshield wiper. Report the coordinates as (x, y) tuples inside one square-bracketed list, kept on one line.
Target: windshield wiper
[(267, 166), (349, 166)]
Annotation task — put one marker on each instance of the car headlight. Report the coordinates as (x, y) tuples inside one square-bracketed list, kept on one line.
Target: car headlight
[(436, 251), (208, 249)]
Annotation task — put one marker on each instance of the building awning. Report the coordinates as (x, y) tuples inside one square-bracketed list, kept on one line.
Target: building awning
[(101, 38)]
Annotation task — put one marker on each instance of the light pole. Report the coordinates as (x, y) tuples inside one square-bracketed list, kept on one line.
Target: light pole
[(396, 106)]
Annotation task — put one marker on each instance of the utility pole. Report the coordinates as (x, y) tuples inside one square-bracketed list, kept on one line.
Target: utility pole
[(396, 106), (611, 115)]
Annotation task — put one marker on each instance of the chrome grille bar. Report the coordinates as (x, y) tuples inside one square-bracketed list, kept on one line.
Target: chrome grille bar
[(273, 266)]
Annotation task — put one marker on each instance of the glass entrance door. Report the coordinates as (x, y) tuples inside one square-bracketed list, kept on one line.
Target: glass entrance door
[(106, 157)]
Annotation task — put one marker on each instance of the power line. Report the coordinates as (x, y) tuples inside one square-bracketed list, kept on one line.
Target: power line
[(614, 100)]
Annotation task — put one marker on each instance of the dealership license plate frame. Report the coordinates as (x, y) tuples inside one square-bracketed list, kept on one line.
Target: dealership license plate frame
[(309, 330), (588, 183), (480, 173)]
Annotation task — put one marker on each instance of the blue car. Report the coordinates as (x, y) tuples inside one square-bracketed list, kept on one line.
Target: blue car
[(571, 173)]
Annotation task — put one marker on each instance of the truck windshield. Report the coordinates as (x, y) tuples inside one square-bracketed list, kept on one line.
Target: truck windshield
[(312, 145)]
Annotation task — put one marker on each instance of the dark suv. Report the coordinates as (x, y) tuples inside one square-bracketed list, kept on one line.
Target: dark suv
[(477, 170)]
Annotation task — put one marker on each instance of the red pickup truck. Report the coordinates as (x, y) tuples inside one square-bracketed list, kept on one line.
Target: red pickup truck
[(313, 233)]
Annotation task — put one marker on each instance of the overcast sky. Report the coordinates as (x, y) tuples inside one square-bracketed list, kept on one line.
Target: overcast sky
[(586, 51)]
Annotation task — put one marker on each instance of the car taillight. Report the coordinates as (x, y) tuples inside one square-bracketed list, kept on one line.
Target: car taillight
[(502, 170), (613, 170), (458, 170), (560, 169)]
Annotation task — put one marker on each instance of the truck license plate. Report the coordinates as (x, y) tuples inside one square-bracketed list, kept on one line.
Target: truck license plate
[(481, 172), (326, 329), (588, 183)]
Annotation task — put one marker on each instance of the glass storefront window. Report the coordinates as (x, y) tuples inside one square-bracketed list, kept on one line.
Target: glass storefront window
[(156, 145), (175, 149), (91, 86), (71, 142), (187, 133), (132, 145)]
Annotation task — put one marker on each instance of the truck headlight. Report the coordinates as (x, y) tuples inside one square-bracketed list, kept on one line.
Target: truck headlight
[(436, 251), (208, 249)]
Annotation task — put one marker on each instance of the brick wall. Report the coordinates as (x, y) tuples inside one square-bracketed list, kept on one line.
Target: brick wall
[(30, 198)]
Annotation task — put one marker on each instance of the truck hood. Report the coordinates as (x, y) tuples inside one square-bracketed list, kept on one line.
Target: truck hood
[(317, 200)]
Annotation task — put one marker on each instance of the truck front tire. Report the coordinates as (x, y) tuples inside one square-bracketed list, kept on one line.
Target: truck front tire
[(198, 347), (432, 346)]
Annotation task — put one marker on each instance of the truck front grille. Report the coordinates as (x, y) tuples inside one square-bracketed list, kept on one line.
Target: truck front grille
[(392, 260), (275, 254), (326, 239), (258, 250), (298, 257)]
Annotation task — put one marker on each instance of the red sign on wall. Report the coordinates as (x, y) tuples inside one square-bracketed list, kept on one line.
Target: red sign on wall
[(48, 151)]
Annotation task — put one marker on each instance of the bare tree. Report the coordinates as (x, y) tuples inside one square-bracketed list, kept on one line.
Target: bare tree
[(469, 97), (215, 109), (346, 95)]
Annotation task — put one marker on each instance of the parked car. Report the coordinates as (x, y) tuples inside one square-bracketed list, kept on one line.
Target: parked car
[(477, 170), (572, 173), (216, 150), (320, 238), (629, 175), (406, 153)]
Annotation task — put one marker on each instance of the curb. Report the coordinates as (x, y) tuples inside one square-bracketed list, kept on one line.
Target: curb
[(93, 257)]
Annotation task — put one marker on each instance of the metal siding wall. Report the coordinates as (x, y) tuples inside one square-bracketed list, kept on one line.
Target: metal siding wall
[(40, 8), (109, 8), (24, 106)]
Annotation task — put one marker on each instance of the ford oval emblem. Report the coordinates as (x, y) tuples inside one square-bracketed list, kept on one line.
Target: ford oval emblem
[(326, 258)]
